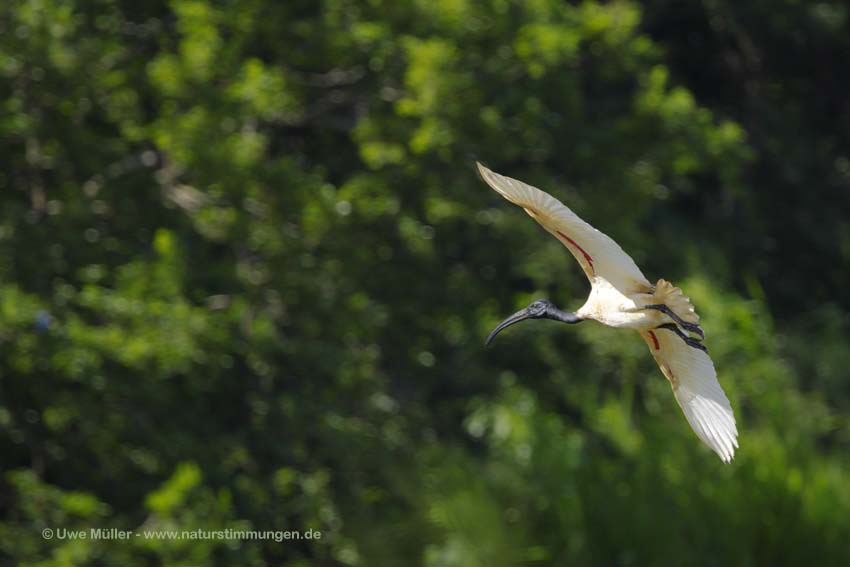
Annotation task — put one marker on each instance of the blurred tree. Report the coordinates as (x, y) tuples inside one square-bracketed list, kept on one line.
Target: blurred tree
[(246, 267)]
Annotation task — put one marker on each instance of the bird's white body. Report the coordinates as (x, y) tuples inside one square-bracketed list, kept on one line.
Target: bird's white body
[(622, 297), (611, 307)]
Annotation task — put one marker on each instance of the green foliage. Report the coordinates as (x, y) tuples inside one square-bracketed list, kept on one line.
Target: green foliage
[(246, 268)]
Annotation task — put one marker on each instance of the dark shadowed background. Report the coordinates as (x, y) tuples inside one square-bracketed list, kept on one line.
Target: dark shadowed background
[(247, 267)]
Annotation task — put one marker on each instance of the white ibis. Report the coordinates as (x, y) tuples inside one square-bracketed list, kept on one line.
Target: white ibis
[(622, 297)]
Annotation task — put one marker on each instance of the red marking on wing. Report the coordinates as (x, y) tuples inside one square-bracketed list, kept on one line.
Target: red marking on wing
[(655, 340), (574, 243)]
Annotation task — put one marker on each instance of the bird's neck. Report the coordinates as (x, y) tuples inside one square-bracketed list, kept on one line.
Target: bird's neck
[(563, 316)]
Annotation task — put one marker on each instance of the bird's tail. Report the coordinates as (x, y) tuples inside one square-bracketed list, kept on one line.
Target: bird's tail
[(672, 297)]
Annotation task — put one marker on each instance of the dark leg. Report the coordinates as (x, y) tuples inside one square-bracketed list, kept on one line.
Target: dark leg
[(689, 340), (684, 324)]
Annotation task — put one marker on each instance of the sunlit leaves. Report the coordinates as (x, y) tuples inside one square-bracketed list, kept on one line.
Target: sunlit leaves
[(200, 39)]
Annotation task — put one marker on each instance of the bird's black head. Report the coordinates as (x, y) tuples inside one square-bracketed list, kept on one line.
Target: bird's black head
[(539, 309)]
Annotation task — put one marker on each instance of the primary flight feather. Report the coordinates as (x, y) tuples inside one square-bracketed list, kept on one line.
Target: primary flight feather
[(621, 296)]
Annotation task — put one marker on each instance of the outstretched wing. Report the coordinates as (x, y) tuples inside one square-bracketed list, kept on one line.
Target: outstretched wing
[(694, 380), (596, 252)]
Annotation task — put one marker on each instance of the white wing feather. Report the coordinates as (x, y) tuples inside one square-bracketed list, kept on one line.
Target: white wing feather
[(694, 380), (596, 252)]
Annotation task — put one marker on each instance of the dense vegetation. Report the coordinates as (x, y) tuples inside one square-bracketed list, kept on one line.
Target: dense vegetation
[(246, 268)]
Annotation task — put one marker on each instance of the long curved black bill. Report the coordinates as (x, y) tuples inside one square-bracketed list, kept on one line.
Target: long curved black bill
[(515, 318)]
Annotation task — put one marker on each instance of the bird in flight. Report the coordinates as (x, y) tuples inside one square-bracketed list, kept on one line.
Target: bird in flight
[(622, 297)]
